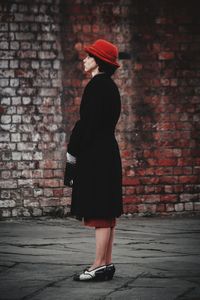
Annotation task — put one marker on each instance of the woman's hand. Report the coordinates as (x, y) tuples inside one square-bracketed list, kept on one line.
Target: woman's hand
[(70, 170), (71, 158)]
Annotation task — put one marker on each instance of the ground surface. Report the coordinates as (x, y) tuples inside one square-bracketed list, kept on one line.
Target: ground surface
[(155, 258)]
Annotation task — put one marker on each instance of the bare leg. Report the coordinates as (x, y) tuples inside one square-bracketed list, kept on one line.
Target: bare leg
[(110, 245), (102, 241)]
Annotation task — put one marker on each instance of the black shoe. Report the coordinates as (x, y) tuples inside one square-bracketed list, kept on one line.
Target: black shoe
[(110, 271), (97, 274)]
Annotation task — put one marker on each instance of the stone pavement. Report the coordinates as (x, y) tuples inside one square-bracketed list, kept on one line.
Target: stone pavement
[(156, 259)]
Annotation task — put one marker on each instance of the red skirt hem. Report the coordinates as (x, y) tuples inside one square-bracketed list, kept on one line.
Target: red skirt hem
[(100, 223)]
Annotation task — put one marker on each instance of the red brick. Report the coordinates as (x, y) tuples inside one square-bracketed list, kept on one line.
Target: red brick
[(168, 179), (86, 28), (169, 198), (139, 190), (159, 189), (58, 193), (151, 198), (48, 174), (196, 170), (130, 209), (127, 154), (50, 183), (145, 171), (187, 170), (131, 181), (163, 152), (149, 189), (160, 208), (95, 28), (138, 67), (164, 171), (177, 171), (166, 55), (2, 110), (129, 190), (144, 208), (65, 201), (178, 188), (149, 180), (197, 161), (131, 199), (152, 162), (48, 164), (156, 47), (49, 202), (169, 189), (167, 162), (186, 161), (189, 179)]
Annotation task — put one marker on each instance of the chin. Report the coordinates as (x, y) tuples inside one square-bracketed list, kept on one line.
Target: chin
[(86, 70)]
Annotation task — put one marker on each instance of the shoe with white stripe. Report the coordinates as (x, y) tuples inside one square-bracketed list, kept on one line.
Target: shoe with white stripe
[(110, 271), (97, 274)]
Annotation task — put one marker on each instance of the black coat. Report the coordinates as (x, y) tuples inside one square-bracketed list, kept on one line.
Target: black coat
[(97, 187)]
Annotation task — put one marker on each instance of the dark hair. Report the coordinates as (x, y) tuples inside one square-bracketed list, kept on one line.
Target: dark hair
[(104, 66)]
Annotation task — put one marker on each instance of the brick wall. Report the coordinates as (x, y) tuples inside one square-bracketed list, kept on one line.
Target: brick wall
[(32, 133), (41, 85)]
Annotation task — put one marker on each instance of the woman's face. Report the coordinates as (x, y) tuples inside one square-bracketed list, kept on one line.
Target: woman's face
[(89, 64)]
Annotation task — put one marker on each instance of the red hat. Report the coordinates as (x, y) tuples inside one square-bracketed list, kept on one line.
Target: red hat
[(104, 50)]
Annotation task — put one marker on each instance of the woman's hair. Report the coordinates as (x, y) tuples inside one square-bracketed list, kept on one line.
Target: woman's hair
[(104, 66)]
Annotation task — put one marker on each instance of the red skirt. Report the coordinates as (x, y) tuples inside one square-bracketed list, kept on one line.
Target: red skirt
[(100, 223)]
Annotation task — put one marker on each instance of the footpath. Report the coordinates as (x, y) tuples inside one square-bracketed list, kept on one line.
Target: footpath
[(155, 258)]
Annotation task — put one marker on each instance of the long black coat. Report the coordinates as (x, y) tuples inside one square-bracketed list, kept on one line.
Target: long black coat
[(97, 188)]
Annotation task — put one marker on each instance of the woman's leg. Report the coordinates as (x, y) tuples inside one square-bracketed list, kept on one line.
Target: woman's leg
[(110, 245), (102, 244)]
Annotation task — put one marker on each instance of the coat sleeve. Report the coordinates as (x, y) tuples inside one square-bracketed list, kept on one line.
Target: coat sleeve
[(91, 118), (74, 142)]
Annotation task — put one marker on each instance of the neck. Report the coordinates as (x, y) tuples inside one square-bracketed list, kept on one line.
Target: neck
[(95, 72)]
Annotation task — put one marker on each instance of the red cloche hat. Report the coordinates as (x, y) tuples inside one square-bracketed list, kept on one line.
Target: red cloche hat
[(104, 50)]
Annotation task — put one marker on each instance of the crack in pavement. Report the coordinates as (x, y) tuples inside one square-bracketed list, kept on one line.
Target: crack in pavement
[(164, 251), (31, 245), (46, 263), (8, 267), (188, 291), (124, 286), (28, 254), (150, 242), (163, 256), (64, 245), (50, 284)]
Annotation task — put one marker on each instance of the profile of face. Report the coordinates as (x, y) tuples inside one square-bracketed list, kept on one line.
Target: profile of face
[(90, 64)]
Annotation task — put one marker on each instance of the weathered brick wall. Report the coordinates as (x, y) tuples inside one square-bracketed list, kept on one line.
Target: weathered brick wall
[(42, 81), (158, 131), (162, 145), (32, 133)]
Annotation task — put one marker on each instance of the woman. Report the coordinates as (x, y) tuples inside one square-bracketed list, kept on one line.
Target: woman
[(93, 149)]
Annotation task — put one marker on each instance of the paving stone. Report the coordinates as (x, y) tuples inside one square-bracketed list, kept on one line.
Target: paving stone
[(155, 258)]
